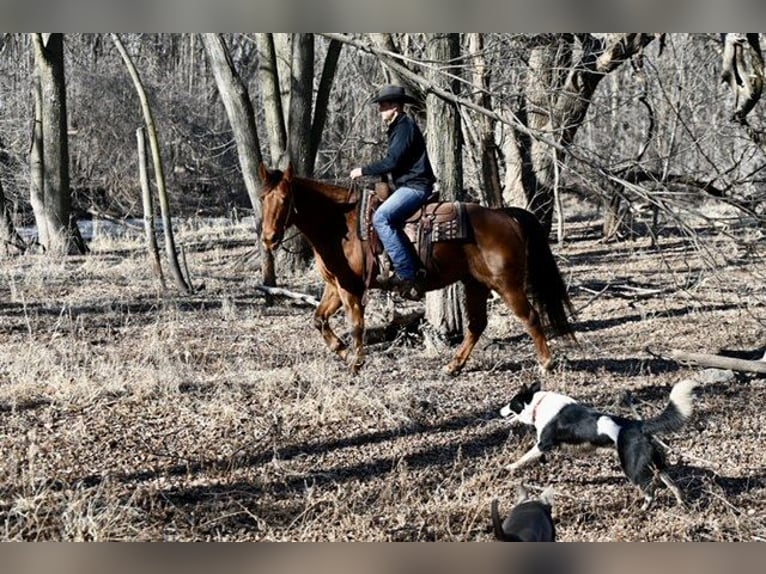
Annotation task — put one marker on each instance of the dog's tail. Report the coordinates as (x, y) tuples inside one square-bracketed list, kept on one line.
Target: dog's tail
[(678, 410), (498, 525)]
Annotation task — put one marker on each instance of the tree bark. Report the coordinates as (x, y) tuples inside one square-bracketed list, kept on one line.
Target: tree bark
[(37, 167), (58, 232), (239, 110), (742, 70), (543, 82), (301, 100), (159, 172), (490, 188), (444, 308), (321, 105), (296, 253), (148, 206), (8, 234), (273, 111), (385, 43)]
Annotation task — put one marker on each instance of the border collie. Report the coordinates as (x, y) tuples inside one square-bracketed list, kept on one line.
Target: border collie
[(559, 419), (528, 521)]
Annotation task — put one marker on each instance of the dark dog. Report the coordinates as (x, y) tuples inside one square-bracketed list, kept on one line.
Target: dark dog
[(560, 419), (528, 521)]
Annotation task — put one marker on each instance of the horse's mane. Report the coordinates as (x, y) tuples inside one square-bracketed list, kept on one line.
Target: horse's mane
[(332, 191)]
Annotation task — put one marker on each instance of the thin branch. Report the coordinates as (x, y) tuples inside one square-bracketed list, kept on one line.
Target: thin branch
[(281, 292)]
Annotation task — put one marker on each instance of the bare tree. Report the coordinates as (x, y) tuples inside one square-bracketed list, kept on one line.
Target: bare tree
[(622, 148), (553, 108), (558, 95), (159, 172), (742, 71), (8, 234), (482, 131), (287, 64), (444, 307), (239, 109), (49, 157), (270, 95)]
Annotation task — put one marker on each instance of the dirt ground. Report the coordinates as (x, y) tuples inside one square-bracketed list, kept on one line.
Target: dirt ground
[(127, 413)]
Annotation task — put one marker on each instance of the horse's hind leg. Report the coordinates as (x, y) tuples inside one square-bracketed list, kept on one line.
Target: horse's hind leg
[(476, 311), (518, 302), (329, 304)]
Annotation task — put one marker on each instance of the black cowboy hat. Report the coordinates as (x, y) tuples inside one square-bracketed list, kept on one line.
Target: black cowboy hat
[(393, 93)]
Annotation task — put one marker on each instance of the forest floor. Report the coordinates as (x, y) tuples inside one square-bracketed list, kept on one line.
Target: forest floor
[(129, 413)]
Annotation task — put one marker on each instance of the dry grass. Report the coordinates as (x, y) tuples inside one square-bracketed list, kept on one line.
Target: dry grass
[(131, 414)]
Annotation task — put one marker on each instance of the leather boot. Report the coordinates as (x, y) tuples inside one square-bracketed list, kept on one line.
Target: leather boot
[(407, 288)]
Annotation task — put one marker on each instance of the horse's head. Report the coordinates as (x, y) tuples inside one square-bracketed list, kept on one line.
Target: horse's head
[(277, 203)]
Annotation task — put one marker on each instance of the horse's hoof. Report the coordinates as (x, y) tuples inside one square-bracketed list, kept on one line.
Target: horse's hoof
[(356, 365), (453, 369), (546, 367)]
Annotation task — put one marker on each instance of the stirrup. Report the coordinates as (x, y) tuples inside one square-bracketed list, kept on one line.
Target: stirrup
[(386, 282), (411, 291)]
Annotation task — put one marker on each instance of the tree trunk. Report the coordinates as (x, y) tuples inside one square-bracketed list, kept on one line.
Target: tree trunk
[(557, 102), (384, 41), (274, 116), (58, 232), (742, 70), (323, 98), (8, 234), (301, 99), (273, 110), (37, 167), (444, 311), (159, 172), (296, 254), (148, 205), (543, 82), (490, 189), (239, 109)]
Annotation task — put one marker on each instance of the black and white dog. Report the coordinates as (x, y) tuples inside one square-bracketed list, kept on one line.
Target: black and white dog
[(529, 521), (559, 419)]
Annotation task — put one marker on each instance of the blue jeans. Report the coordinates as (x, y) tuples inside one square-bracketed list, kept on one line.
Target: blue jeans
[(388, 221)]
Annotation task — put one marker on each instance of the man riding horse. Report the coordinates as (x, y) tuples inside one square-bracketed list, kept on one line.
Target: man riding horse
[(410, 168)]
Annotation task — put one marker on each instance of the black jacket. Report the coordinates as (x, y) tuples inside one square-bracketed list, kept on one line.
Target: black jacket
[(407, 158)]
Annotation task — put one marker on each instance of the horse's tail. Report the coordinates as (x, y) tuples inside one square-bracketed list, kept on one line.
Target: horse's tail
[(544, 283)]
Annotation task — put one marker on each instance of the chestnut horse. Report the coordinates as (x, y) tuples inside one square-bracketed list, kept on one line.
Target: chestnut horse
[(508, 252)]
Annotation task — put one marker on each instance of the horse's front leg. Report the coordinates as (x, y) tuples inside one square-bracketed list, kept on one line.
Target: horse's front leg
[(355, 315), (330, 303)]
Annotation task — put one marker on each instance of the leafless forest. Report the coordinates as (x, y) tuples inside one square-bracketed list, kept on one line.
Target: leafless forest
[(172, 394)]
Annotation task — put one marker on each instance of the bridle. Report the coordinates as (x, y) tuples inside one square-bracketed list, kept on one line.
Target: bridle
[(291, 213)]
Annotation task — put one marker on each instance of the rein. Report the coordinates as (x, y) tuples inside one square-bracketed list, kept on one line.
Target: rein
[(291, 211), (354, 191)]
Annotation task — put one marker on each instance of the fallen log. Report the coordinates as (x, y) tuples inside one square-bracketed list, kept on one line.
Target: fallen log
[(280, 292), (716, 361)]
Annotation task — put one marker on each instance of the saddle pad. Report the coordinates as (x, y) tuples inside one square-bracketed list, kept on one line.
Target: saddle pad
[(445, 221)]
